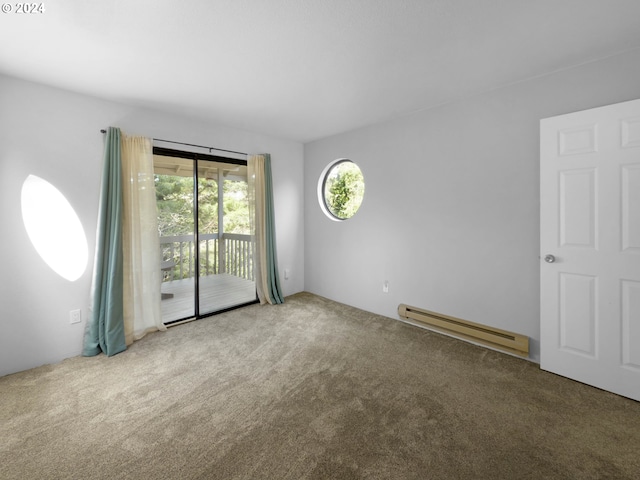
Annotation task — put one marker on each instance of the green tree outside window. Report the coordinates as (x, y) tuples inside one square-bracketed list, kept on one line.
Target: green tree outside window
[(343, 189)]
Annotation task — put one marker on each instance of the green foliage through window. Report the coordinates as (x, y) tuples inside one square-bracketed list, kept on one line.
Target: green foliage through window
[(174, 200), (343, 189)]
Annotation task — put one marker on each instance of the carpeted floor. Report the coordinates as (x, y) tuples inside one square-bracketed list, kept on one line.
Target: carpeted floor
[(310, 390)]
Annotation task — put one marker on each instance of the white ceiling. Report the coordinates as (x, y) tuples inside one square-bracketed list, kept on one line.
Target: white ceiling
[(306, 69)]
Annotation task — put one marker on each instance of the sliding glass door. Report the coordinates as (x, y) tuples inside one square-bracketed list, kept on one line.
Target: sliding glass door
[(226, 247), (204, 228), (174, 181)]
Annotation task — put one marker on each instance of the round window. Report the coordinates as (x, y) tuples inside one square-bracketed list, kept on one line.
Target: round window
[(341, 189)]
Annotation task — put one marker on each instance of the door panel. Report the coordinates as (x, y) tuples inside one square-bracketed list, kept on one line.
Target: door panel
[(631, 324), (175, 207), (590, 224), (231, 282), (577, 208), (207, 268), (578, 315), (630, 208)]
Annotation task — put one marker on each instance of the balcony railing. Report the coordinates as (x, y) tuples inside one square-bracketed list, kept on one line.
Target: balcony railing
[(233, 255)]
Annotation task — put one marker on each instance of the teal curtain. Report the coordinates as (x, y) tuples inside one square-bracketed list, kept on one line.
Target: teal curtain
[(263, 228), (273, 279), (105, 328)]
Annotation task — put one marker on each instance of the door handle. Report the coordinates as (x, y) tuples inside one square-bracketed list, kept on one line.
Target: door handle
[(549, 258)]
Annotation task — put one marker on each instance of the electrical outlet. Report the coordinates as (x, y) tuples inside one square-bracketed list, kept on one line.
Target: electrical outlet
[(286, 274), (385, 286), (75, 316)]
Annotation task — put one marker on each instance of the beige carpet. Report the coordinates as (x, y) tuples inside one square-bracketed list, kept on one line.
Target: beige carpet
[(309, 390)]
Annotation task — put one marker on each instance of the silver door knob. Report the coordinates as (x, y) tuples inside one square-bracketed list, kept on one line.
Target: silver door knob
[(549, 259)]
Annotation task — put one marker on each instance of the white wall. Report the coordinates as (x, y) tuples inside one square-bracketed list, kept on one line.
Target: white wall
[(450, 215), (56, 135)]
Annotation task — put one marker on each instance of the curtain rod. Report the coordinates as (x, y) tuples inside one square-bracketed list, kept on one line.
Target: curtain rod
[(192, 145)]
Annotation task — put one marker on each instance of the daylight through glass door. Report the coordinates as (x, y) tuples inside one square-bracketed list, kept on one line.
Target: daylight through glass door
[(218, 273)]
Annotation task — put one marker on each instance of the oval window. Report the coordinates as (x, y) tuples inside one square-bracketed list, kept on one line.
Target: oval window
[(341, 189)]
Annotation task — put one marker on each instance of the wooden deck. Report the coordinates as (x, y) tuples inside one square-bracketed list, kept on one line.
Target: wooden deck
[(217, 292)]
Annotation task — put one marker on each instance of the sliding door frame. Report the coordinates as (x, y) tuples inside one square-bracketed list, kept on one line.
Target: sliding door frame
[(196, 157)]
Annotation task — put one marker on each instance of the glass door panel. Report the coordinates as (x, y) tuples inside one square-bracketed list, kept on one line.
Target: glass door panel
[(226, 247), (208, 238), (174, 182)]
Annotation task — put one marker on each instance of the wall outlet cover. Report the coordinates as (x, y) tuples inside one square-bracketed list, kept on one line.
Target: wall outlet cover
[(75, 316)]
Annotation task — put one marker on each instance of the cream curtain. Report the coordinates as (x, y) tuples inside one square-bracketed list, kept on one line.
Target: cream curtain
[(141, 245), (255, 173)]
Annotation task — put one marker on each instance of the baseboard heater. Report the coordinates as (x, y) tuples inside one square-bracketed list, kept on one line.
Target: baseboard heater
[(469, 331)]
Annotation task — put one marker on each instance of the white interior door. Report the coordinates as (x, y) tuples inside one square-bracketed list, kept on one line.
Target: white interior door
[(590, 247)]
